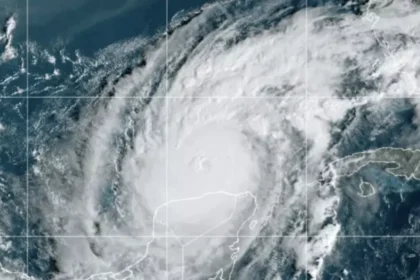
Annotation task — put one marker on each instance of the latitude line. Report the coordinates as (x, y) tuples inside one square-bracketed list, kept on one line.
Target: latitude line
[(356, 98), (205, 236)]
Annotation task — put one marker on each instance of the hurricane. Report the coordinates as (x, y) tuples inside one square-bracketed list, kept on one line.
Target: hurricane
[(245, 140)]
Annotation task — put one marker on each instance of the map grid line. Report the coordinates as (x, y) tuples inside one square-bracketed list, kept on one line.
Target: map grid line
[(167, 98)]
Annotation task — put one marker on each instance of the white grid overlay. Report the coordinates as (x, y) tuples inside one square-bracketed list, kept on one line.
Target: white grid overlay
[(306, 139), (28, 236), (200, 236), (27, 137), (167, 144), (303, 97)]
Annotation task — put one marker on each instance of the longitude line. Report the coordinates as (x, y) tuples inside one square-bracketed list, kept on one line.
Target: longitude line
[(27, 137), (183, 267), (306, 138), (167, 139)]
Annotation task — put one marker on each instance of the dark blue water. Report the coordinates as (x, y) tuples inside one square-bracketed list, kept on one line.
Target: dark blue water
[(94, 24), (90, 25)]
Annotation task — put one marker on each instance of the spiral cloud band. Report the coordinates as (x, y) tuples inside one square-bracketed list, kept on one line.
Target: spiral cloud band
[(230, 137)]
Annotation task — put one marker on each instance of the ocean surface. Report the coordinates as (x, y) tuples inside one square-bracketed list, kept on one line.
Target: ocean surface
[(209, 140)]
